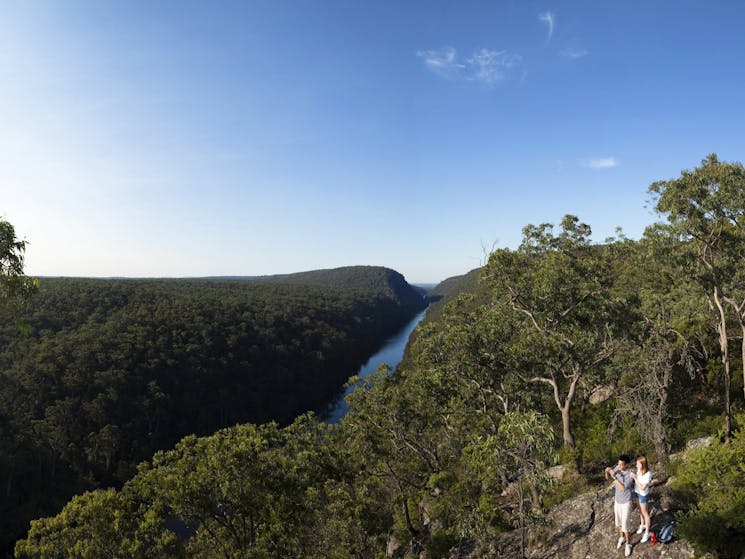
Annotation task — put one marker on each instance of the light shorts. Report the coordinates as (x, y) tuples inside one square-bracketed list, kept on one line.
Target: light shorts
[(622, 512), (643, 499)]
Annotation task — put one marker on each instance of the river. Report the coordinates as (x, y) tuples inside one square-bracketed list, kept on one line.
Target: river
[(390, 353)]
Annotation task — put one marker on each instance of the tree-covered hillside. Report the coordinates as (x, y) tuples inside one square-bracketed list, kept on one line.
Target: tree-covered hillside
[(372, 278), (99, 374), (439, 296), (452, 287)]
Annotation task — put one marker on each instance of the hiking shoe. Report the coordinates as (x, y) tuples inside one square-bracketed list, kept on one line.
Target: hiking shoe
[(628, 550), (620, 542), (645, 537), (641, 528)]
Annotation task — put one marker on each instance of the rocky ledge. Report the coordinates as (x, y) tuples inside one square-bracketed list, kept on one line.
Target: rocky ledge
[(583, 528)]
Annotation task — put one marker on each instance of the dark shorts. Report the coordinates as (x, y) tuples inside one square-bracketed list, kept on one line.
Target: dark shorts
[(643, 499)]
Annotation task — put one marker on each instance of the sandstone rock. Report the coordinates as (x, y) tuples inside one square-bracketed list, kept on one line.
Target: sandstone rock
[(698, 443), (583, 528), (601, 394), (558, 472)]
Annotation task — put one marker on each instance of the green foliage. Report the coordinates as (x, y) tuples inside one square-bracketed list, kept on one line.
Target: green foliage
[(243, 491), (567, 318), (712, 484), (593, 424), (440, 545), (109, 371), (705, 208), (99, 524), (700, 422), (14, 284), (514, 462)]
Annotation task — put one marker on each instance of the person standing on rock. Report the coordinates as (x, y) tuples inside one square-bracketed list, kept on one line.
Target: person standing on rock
[(622, 483), (642, 479)]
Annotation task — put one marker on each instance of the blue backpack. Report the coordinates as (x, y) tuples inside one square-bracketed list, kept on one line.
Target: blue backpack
[(667, 533)]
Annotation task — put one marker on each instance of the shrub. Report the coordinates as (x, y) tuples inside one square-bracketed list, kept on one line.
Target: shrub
[(711, 485)]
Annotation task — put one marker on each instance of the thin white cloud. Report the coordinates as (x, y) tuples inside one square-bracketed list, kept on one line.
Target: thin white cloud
[(600, 162), (573, 54), (441, 61), (485, 65), (549, 19), (490, 66)]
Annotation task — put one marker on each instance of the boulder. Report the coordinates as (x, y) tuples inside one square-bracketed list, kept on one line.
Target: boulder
[(601, 393), (558, 472), (698, 443)]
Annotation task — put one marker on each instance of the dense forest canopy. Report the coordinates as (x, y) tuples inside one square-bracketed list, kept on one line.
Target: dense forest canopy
[(99, 374), (562, 350)]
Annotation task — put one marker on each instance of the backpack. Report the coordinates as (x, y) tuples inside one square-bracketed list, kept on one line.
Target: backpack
[(667, 533)]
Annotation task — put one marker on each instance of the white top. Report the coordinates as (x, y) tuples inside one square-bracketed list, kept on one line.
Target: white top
[(643, 479)]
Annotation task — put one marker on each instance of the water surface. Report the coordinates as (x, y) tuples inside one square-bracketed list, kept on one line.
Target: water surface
[(391, 354)]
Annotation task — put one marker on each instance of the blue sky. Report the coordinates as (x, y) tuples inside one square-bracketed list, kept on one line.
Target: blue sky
[(245, 138)]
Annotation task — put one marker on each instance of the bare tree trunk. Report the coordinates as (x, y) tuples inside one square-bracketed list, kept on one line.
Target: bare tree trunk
[(567, 426), (724, 346), (660, 441), (565, 406), (535, 497)]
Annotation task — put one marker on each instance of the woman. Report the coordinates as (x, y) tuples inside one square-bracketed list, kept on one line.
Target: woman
[(642, 478)]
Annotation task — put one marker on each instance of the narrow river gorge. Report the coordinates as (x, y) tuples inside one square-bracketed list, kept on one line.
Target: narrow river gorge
[(390, 353)]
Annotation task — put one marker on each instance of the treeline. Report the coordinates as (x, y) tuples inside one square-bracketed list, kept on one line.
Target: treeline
[(99, 374), (565, 351)]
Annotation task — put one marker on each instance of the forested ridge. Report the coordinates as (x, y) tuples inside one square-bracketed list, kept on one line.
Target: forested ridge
[(563, 351), (99, 374)]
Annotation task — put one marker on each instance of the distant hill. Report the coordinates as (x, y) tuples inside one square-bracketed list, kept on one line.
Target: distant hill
[(452, 287), (373, 278)]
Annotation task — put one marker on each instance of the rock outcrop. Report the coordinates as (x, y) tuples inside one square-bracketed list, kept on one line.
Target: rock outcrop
[(583, 528)]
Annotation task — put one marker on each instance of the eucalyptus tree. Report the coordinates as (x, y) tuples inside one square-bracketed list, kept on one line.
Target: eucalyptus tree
[(102, 524), (512, 466), (14, 284), (16, 448), (461, 358), (705, 208), (394, 424), (243, 492), (568, 320)]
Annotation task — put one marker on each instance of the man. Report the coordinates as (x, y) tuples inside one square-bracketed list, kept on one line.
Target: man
[(622, 483)]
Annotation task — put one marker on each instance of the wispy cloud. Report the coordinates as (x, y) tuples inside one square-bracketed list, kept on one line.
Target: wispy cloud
[(549, 18), (485, 65), (491, 66), (573, 54), (600, 162), (441, 61)]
